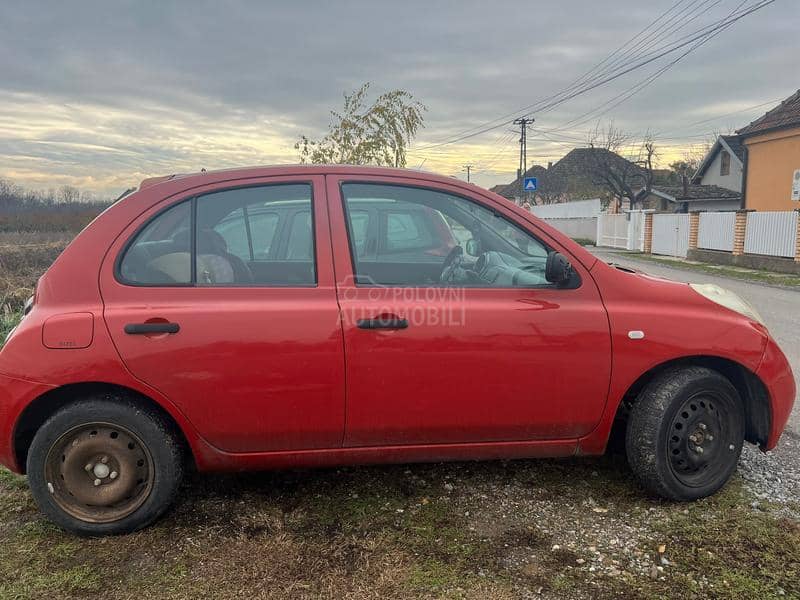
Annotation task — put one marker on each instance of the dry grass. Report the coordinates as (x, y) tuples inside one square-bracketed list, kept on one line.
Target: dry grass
[(23, 258)]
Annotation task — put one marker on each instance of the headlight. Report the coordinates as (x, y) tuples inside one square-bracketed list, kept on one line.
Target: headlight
[(727, 299)]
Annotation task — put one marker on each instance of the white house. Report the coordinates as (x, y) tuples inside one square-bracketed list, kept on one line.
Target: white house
[(723, 165)]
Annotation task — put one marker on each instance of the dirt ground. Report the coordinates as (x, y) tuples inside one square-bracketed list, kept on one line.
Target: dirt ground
[(520, 529)]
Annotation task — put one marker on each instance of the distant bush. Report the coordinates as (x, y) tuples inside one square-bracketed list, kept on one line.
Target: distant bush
[(65, 209)]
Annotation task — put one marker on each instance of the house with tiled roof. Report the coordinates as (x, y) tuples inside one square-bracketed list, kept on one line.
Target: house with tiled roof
[(772, 158), (689, 197), (576, 176), (715, 186), (723, 164)]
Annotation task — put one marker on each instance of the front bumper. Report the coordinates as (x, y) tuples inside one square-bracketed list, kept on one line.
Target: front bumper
[(15, 396), (776, 374)]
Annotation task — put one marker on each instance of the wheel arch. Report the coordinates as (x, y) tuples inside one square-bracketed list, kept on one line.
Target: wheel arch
[(753, 392), (43, 407)]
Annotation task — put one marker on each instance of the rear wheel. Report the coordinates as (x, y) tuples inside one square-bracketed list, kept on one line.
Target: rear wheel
[(685, 433), (104, 466)]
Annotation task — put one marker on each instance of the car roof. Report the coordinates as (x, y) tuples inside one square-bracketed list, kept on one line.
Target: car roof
[(204, 176)]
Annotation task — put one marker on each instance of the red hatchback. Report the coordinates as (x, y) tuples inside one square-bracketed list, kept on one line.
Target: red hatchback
[(307, 316)]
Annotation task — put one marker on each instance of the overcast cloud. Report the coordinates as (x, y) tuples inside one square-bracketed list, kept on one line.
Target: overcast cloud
[(102, 94)]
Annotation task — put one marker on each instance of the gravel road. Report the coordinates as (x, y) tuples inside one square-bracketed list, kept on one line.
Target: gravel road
[(775, 475)]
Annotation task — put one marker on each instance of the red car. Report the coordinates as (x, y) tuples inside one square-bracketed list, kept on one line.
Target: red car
[(310, 316)]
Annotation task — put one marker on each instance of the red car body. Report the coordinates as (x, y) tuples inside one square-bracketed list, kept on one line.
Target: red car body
[(268, 377)]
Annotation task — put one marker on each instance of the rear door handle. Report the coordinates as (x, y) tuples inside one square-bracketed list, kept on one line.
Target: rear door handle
[(145, 328), (383, 323)]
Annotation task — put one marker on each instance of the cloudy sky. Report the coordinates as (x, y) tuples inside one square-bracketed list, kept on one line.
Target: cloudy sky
[(102, 94)]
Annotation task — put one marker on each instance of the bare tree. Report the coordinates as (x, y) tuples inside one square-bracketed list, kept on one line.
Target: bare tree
[(68, 194), (552, 190), (622, 178)]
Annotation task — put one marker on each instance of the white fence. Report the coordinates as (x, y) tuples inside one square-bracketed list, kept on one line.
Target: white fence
[(568, 210), (671, 234), (625, 231), (771, 233), (584, 228), (612, 231), (716, 231), (636, 230)]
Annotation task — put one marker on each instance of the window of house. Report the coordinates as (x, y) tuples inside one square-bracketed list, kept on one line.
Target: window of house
[(430, 238), (724, 163), (238, 237)]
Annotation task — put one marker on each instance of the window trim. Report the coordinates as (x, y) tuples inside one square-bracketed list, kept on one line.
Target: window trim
[(574, 285), (117, 270)]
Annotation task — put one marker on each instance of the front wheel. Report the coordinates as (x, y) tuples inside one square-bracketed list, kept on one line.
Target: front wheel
[(685, 433), (104, 466)]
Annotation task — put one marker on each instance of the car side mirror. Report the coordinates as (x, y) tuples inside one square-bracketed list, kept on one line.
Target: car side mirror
[(557, 269), (471, 248)]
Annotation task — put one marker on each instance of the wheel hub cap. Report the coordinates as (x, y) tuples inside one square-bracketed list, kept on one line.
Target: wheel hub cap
[(101, 471)]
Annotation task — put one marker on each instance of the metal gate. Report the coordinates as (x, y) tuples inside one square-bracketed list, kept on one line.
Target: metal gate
[(612, 231), (671, 234)]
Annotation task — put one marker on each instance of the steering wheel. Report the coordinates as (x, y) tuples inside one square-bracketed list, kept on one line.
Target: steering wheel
[(450, 264)]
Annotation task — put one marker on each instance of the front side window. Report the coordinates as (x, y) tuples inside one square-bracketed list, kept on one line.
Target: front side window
[(431, 238), (238, 237)]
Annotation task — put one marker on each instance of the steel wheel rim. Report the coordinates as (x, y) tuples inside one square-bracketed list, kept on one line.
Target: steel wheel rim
[(701, 439), (99, 472)]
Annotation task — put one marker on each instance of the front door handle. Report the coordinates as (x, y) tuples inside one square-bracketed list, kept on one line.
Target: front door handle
[(146, 328), (382, 323)]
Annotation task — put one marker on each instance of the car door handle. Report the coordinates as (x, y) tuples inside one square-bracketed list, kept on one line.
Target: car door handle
[(145, 328), (383, 323)]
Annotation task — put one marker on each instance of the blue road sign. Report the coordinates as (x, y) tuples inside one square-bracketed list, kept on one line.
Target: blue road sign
[(530, 185)]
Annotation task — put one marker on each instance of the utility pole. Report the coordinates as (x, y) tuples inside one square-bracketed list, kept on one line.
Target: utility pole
[(523, 122), (467, 169)]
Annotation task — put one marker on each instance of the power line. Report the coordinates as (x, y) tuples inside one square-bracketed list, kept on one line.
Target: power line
[(595, 82), (576, 81), (632, 91)]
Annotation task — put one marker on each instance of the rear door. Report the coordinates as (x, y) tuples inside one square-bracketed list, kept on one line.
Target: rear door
[(506, 357), (224, 301)]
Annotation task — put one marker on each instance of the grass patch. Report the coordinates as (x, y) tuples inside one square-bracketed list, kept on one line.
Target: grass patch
[(770, 277), (8, 320), (738, 551)]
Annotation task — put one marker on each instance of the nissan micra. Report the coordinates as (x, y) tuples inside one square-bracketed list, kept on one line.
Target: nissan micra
[(289, 317)]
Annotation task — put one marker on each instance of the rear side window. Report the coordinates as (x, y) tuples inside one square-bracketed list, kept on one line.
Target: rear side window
[(161, 253), (239, 237)]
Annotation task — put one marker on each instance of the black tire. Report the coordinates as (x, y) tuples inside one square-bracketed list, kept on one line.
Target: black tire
[(685, 433), (156, 458)]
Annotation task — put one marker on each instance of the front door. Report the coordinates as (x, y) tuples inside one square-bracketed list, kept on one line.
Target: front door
[(225, 302), (452, 334)]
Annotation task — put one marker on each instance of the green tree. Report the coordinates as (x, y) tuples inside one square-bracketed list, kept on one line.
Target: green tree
[(378, 134)]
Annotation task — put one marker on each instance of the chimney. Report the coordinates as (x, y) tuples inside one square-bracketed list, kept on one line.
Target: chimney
[(549, 164), (685, 181)]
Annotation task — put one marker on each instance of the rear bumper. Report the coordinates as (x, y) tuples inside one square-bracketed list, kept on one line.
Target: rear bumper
[(15, 395), (776, 374)]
